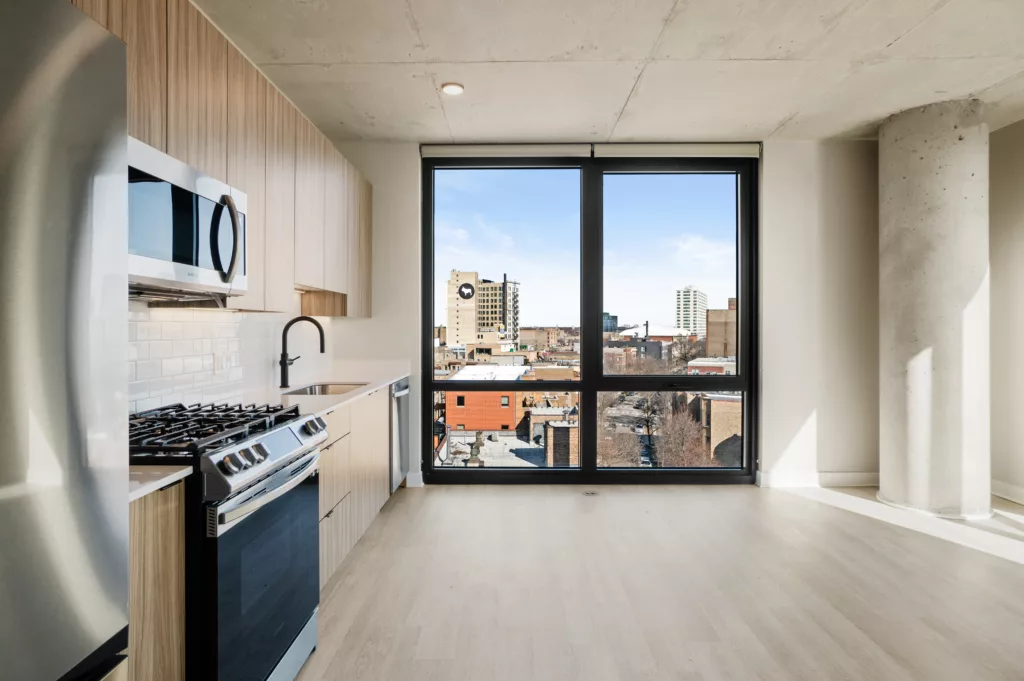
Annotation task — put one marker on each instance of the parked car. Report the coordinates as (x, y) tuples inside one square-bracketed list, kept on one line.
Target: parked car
[(645, 461)]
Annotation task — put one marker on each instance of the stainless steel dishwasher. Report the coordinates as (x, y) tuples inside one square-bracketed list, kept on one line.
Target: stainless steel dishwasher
[(399, 432)]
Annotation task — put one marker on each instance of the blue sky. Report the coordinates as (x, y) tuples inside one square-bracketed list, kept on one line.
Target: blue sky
[(662, 232)]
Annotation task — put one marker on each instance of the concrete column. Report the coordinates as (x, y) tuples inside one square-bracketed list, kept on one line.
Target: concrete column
[(934, 400)]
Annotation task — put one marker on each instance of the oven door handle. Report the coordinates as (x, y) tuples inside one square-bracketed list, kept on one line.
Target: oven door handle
[(228, 519)]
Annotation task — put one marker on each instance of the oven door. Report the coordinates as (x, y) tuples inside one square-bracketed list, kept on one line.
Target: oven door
[(267, 578)]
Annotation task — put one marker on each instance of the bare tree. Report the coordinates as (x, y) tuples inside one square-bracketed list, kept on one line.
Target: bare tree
[(651, 407), (682, 443), (618, 449)]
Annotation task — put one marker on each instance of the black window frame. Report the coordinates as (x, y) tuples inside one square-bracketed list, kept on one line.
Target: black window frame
[(592, 378)]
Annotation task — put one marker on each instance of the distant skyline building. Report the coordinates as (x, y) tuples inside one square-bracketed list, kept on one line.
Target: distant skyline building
[(691, 310), (610, 322), (481, 310)]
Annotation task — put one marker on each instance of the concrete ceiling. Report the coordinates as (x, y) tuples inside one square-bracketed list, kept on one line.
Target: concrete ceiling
[(628, 70)]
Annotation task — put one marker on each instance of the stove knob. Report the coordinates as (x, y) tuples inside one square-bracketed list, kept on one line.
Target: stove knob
[(311, 427), (248, 457), (229, 465), (259, 450), (237, 461)]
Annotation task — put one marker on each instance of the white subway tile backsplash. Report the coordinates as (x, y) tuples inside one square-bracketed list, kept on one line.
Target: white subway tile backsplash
[(138, 390), (149, 403), (137, 351), (173, 366), (148, 331), (161, 349), (184, 348), (199, 355), (159, 387), (148, 369)]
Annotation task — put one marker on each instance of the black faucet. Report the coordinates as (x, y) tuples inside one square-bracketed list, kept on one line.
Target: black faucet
[(285, 361)]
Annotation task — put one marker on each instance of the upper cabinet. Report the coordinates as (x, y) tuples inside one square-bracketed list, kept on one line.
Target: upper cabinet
[(335, 221), (197, 90), (193, 95), (360, 242), (282, 119), (247, 168), (309, 206)]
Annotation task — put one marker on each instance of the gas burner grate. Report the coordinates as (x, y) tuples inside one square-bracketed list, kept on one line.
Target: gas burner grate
[(178, 430)]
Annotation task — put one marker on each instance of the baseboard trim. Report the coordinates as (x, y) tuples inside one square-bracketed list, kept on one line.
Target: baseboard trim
[(1005, 490), (414, 479), (819, 479)]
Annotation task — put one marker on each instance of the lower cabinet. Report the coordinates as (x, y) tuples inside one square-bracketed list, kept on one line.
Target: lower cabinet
[(156, 599), (355, 470)]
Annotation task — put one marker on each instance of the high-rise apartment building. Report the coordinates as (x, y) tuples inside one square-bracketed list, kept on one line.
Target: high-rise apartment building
[(691, 310), (609, 322), (481, 310)]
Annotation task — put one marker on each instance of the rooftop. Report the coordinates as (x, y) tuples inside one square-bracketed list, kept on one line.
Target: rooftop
[(490, 372)]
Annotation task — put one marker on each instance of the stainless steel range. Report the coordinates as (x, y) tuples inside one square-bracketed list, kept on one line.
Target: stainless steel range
[(252, 535)]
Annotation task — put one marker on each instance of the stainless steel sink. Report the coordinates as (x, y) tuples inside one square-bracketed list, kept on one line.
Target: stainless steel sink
[(327, 389)]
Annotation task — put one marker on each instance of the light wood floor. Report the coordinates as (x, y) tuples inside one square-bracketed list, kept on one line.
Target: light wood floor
[(649, 583)]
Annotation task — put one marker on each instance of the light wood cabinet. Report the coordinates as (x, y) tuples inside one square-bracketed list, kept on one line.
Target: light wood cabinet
[(360, 247), (309, 206), (247, 168), (369, 453), (357, 469), (197, 90), (107, 13), (194, 96), (335, 474), (279, 261), (156, 598), (335, 221)]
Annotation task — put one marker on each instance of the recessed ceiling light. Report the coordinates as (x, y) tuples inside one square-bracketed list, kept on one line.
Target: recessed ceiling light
[(452, 88)]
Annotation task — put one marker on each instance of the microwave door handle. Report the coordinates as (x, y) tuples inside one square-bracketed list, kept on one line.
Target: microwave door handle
[(228, 275), (236, 230), (228, 519)]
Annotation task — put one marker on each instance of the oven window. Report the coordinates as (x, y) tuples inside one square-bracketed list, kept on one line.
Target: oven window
[(268, 583), (161, 219)]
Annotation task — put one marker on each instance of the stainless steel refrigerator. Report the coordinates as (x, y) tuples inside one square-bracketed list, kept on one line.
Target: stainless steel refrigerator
[(63, 344)]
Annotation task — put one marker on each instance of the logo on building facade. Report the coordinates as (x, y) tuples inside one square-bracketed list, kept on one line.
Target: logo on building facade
[(466, 291)]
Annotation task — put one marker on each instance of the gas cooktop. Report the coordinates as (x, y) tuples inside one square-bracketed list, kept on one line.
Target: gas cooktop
[(187, 431)]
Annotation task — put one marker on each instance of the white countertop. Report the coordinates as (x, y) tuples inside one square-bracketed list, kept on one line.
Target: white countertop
[(376, 374), (143, 480)]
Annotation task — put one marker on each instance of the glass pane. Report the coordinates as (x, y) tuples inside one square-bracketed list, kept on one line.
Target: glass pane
[(538, 429), (670, 430), (507, 274), (670, 260)]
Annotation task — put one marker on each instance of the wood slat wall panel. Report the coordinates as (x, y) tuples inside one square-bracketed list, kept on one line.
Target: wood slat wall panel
[(107, 13), (156, 565), (246, 167)]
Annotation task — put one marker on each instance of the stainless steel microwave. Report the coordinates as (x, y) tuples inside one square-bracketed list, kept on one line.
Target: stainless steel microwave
[(186, 230)]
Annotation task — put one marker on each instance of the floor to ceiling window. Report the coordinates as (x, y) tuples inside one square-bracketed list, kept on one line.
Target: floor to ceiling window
[(589, 319)]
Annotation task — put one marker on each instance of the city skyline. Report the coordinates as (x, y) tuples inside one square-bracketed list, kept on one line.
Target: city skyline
[(526, 224)]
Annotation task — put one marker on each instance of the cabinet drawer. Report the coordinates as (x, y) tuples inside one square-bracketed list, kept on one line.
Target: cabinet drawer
[(339, 423), (335, 474)]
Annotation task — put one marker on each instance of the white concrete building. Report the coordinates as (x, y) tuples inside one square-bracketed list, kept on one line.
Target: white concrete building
[(691, 310)]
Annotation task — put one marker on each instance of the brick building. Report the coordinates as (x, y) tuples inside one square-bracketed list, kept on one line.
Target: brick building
[(562, 444), (721, 416)]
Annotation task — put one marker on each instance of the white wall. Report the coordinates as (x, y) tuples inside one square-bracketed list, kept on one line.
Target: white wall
[(819, 314), (393, 331), (1006, 249)]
